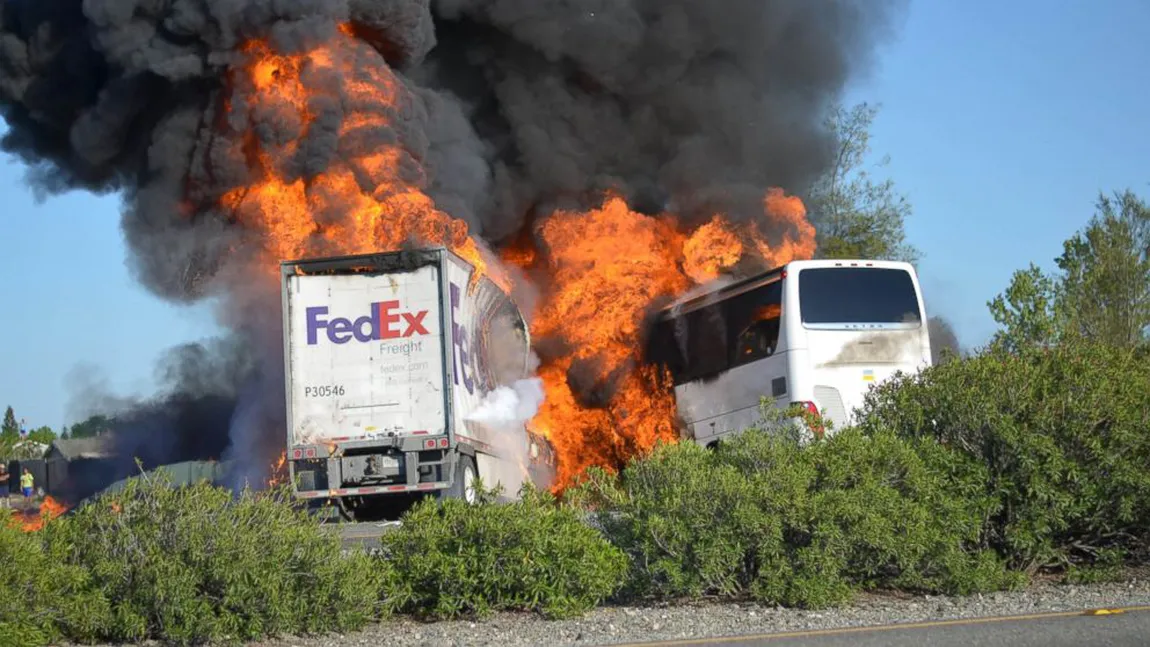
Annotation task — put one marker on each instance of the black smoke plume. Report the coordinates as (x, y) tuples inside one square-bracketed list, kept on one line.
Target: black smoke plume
[(187, 419), (509, 109)]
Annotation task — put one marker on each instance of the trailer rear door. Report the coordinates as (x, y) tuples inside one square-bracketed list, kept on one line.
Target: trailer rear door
[(365, 355)]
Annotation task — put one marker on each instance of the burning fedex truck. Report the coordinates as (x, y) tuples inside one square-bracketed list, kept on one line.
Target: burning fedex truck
[(396, 364)]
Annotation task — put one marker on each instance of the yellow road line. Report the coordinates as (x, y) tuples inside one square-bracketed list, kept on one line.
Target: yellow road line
[(884, 628)]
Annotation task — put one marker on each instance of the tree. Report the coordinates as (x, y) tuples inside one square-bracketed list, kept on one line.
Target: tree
[(43, 435), (854, 215), (10, 428), (1101, 291), (93, 426), (1026, 310), (1105, 291)]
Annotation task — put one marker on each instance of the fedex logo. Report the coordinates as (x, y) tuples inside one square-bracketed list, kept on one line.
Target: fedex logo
[(461, 358), (386, 321)]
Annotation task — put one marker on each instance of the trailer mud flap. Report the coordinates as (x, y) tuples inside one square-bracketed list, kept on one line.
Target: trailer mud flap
[(412, 464)]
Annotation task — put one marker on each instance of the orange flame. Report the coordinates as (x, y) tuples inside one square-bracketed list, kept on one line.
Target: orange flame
[(769, 311), (606, 268), (279, 473), (380, 187), (602, 270), (30, 522)]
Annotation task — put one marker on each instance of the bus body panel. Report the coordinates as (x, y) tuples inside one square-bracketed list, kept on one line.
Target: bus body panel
[(844, 365), (732, 401)]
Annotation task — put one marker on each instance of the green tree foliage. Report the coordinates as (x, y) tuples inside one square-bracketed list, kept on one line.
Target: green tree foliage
[(92, 426), (1061, 431), (855, 215), (1105, 290), (1101, 291), (13, 446), (1026, 311), (42, 435)]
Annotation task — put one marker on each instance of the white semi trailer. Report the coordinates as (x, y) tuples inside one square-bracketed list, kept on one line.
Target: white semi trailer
[(388, 357)]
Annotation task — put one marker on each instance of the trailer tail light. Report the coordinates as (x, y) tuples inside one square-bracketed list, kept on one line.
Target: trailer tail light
[(429, 443), (815, 418), (443, 442), (300, 453)]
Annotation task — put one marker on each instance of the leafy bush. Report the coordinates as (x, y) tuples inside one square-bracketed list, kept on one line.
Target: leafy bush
[(801, 526), (42, 598), (193, 564), (451, 558), (1063, 435)]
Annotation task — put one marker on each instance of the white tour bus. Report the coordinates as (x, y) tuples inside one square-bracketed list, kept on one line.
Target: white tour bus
[(813, 333)]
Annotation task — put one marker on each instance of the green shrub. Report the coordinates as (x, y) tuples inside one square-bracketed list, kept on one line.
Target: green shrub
[(801, 526), (42, 599), (195, 563), (1064, 436), (1106, 567), (451, 558)]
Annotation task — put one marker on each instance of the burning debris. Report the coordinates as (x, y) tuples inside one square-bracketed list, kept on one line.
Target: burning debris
[(33, 520), (596, 159)]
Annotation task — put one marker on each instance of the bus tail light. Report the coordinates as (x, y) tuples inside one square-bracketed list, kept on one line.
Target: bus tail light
[(815, 418)]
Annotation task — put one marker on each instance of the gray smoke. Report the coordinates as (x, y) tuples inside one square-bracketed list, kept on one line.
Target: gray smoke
[(944, 344), (507, 108)]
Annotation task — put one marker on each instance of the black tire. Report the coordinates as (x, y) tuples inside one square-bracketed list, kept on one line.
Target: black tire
[(463, 486)]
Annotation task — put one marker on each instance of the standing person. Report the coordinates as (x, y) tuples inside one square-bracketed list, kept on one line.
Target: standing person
[(26, 483), (3, 486)]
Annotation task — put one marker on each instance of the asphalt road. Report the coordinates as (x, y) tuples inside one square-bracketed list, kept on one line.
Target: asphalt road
[(1129, 627)]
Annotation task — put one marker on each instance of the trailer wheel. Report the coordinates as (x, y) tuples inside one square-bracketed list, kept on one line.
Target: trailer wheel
[(464, 485)]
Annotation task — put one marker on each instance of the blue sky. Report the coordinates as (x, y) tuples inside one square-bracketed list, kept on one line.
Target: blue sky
[(1003, 121)]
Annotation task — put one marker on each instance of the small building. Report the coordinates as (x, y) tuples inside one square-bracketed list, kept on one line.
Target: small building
[(77, 465)]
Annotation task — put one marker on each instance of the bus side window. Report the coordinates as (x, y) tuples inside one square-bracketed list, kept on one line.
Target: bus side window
[(756, 319), (692, 346)]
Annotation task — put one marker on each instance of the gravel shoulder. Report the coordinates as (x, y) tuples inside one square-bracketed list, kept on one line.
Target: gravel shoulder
[(620, 625)]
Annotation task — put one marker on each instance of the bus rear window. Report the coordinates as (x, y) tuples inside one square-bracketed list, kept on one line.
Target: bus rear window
[(857, 295)]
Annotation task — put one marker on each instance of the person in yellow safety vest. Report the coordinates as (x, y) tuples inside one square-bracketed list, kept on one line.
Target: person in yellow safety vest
[(26, 483)]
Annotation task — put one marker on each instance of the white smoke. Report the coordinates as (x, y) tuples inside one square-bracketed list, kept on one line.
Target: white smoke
[(503, 415), (509, 406)]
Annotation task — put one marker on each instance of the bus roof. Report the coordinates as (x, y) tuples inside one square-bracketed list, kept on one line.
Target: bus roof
[(695, 299)]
